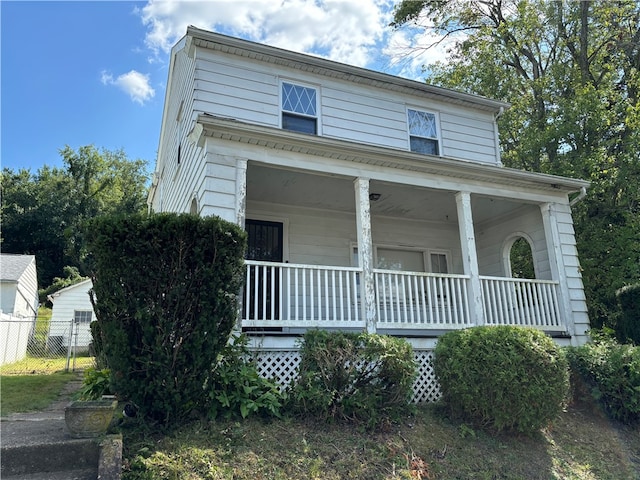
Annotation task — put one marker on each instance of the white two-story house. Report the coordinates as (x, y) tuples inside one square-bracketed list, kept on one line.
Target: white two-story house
[(371, 202)]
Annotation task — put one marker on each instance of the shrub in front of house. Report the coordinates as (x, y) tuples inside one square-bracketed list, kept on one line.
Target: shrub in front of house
[(612, 372), (237, 389), (365, 379), (628, 324), (165, 293), (502, 378)]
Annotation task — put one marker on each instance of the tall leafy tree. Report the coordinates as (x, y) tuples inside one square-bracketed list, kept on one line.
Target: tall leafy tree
[(571, 71), (43, 213)]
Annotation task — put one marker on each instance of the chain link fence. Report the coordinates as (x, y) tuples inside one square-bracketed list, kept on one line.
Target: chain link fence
[(35, 346)]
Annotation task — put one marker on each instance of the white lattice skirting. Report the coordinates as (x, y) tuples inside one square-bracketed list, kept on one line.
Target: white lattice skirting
[(282, 366)]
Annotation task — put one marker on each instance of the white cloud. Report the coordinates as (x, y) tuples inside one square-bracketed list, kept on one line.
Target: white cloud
[(348, 31), (134, 83)]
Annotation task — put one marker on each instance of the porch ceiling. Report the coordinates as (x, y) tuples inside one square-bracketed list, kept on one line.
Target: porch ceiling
[(327, 192)]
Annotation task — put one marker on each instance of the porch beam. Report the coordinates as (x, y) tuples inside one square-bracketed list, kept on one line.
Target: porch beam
[(365, 253), (470, 256), (556, 263)]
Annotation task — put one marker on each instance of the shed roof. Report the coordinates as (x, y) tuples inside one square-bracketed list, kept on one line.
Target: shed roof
[(85, 282), (13, 266)]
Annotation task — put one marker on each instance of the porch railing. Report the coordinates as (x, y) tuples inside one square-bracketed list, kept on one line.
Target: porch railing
[(421, 300), (516, 301), (304, 296), (296, 295)]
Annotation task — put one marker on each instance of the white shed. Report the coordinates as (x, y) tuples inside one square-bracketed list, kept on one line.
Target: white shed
[(71, 315), (18, 305)]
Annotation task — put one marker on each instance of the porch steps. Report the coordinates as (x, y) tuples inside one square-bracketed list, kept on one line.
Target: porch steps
[(38, 446), (68, 459)]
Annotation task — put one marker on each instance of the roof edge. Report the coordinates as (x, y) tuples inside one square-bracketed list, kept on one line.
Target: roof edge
[(345, 70)]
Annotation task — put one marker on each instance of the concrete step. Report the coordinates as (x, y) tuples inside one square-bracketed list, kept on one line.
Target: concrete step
[(51, 456), (81, 474), (70, 459)]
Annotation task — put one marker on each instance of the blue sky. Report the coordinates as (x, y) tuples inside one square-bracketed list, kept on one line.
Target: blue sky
[(78, 73)]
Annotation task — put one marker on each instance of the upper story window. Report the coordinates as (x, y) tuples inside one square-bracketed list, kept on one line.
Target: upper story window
[(299, 108), (423, 132)]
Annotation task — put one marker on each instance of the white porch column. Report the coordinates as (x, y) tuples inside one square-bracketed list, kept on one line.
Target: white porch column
[(241, 211), (470, 256), (241, 190), (365, 253), (556, 263)]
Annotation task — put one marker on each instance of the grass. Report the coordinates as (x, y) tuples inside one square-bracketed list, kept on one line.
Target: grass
[(25, 393), (582, 445), (45, 365)]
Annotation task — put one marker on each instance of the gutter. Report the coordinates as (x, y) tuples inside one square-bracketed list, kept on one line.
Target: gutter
[(581, 195)]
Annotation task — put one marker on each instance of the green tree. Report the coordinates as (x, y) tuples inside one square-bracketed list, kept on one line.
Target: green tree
[(43, 212), (571, 71)]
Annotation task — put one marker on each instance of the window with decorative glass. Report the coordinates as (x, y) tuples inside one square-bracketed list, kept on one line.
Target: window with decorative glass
[(299, 108), (423, 132)]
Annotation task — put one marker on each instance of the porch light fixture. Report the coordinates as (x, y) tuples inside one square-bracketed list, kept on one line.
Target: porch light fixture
[(374, 197)]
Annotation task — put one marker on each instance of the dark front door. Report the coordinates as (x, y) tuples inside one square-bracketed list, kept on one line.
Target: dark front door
[(264, 244)]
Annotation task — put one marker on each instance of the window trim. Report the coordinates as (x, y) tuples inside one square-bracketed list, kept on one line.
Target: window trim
[(296, 83), (426, 253), (437, 138)]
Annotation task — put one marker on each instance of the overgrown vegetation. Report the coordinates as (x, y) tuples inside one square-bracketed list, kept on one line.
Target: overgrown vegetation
[(503, 377), (237, 390), (360, 378), (612, 373), (165, 293), (579, 445), (628, 324)]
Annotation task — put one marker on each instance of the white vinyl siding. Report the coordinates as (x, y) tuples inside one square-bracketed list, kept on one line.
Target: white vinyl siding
[(250, 91), (491, 237)]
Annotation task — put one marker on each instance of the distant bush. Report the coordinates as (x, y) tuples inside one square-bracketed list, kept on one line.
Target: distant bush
[(360, 378), (503, 377), (165, 293), (628, 328), (612, 371), (237, 389)]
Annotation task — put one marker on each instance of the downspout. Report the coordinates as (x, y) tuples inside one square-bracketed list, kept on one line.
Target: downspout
[(581, 195), (497, 135)]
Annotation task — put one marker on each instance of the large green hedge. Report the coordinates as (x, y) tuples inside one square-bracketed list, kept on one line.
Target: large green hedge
[(503, 377), (165, 293)]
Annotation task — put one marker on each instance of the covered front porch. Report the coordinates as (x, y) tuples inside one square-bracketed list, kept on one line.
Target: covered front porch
[(288, 298), (396, 257)]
